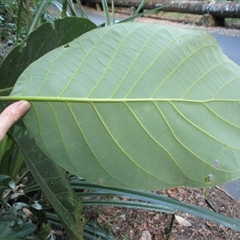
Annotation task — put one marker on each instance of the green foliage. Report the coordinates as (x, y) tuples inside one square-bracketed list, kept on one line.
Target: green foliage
[(66, 204), (11, 160), (8, 231), (15, 20), (118, 106), (68, 208), (54, 183), (116, 112), (46, 38), (167, 204), (8, 19), (15, 16)]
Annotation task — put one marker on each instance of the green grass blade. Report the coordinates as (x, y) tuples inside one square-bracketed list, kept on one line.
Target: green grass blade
[(140, 6), (94, 194), (83, 13), (128, 204), (64, 9), (31, 188), (129, 19), (113, 12), (88, 232), (106, 12), (38, 14), (94, 234), (58, 5), (20, 8), (71, 8), (166, 202), (53, 218)]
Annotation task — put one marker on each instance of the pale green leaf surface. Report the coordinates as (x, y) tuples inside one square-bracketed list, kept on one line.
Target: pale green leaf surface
[(137, 105)]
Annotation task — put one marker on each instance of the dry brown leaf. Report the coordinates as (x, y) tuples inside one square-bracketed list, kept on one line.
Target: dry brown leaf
[(146, 235), (182, 221)]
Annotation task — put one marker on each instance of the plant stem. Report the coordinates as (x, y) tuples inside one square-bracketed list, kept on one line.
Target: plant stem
[(170, 227), (107, 100)]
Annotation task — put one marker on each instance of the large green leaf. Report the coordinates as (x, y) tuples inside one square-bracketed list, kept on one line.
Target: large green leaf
[(137, 105)]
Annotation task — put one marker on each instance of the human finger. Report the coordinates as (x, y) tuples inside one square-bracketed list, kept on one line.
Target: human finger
[(11, 114)]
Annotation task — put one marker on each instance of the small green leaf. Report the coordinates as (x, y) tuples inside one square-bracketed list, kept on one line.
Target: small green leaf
[(37, 206), (19, 205), (45, 231), (3, 177)]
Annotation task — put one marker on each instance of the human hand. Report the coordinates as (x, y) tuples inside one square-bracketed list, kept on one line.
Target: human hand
[(11, 114)]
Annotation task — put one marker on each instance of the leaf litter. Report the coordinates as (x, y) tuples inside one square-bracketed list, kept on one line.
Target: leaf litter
[(135, 223)]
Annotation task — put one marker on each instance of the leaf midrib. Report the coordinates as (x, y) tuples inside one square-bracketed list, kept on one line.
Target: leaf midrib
[(110, 100)]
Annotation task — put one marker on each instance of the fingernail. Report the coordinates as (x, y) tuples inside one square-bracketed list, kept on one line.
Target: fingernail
[(24, 105)]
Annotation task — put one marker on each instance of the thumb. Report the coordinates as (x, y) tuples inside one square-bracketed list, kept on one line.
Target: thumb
[(11, 114)]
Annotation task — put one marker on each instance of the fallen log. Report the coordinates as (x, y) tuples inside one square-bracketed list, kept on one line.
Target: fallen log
[(218, 10), (223, 9)]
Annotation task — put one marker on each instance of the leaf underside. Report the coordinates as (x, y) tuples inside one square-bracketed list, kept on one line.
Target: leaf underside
[(138, 106)]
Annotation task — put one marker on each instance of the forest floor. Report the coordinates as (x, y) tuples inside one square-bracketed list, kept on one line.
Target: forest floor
[(131, 224)]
